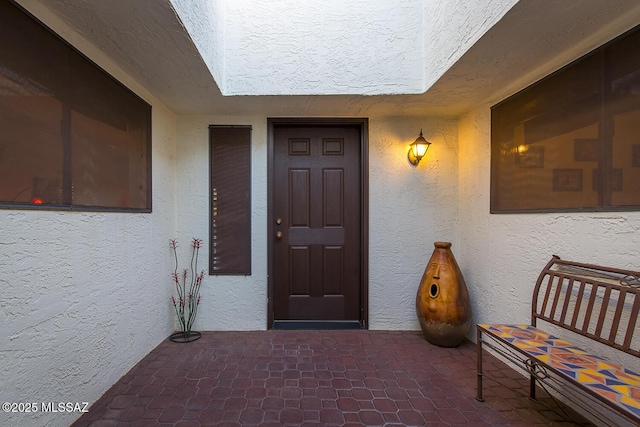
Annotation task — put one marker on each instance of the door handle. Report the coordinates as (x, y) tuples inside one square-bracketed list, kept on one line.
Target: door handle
[(278, 235)]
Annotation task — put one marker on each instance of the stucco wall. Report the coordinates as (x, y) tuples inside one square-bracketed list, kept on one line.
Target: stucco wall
[(409, 209), (84, 295), (204, 20), (289, 47), (452, 27), (502, 254), (78, 288), (228, 302)]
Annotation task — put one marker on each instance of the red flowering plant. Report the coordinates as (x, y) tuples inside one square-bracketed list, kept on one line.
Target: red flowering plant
[(187, 285)]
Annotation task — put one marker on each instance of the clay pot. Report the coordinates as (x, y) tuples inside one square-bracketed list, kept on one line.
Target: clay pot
[(442, 304)]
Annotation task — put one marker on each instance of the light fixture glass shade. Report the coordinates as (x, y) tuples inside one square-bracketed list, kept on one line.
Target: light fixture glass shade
[(418, 149)]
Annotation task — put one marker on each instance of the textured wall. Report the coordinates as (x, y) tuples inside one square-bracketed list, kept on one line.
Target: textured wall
[(228, 302), (502, 254), (331, 47), (410, 208), (78, 288), (204, 21), (369, 47), (84, 295), (452, 27)]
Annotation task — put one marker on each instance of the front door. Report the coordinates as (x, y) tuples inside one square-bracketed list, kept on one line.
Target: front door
[(316, 213)]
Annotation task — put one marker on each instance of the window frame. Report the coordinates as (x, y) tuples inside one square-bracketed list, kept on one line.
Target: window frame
[(145, 110), (496, 155)]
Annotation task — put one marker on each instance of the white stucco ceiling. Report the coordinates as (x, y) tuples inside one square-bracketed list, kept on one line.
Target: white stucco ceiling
[(185, 69)]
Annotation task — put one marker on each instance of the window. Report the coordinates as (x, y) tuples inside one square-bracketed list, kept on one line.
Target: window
[(230, 195), (72, 136), (570, 142)]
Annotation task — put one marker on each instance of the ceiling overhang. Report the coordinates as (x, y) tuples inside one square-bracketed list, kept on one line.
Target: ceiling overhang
[(150, 42)]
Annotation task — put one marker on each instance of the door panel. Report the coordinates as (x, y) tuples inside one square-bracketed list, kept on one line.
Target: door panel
[(316, 195)]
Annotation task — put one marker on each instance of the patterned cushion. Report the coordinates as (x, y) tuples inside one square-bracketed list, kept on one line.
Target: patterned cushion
[(613, 382)]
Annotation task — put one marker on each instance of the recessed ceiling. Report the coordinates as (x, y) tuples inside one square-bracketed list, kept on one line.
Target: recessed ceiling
[(148, 41)]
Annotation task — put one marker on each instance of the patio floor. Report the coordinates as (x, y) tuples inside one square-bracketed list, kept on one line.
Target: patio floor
[(294, 378)]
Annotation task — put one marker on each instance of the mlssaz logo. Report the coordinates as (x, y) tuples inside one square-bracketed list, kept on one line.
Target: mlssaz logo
[(65, 406)]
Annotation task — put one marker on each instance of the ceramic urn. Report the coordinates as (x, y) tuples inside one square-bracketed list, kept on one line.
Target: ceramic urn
[(442, 304)]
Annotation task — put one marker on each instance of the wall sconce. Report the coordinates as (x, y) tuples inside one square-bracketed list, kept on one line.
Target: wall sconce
[(418, 149)]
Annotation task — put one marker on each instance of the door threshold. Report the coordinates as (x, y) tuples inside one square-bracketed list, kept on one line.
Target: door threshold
[(316, 325)]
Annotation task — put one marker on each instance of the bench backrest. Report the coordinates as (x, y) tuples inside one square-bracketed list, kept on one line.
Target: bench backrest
[(601, 303)]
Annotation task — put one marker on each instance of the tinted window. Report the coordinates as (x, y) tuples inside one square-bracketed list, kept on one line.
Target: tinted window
[(73, 137), (569, 142)]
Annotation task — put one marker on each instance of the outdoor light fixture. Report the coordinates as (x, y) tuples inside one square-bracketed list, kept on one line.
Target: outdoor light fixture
[(418, 149)]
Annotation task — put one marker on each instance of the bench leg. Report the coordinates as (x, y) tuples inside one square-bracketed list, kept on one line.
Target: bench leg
[(479, 363), (532, 386)]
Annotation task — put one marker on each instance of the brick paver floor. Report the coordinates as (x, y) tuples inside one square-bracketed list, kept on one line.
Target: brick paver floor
[(319, 378)]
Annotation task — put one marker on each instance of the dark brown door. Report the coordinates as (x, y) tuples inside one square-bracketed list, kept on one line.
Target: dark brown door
[(317, 224)]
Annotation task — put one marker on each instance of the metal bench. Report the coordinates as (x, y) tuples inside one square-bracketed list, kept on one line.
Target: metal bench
[(600, 303)]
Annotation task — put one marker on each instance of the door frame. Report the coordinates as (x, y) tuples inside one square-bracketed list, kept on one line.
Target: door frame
[(363, 125)]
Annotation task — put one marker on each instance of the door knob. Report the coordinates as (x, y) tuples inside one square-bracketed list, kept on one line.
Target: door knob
[(279, 221), (279, 235)]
